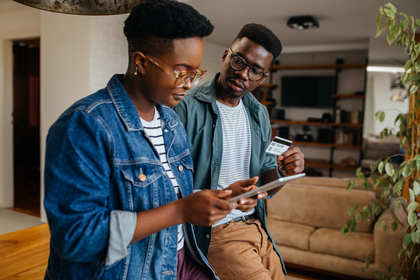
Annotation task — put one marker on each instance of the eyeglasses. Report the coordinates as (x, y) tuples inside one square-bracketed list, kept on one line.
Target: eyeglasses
[(238, 63), (182, 77)]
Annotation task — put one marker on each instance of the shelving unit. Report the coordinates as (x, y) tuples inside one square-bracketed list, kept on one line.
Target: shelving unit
[(332, 146)]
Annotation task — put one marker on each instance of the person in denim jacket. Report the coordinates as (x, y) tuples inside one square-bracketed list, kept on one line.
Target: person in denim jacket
[(113, 205)]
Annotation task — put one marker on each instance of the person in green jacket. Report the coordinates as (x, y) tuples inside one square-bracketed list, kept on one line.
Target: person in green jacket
[(229, 132)]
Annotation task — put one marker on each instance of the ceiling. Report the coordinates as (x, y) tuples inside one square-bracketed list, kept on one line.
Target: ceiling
[(348, 23)]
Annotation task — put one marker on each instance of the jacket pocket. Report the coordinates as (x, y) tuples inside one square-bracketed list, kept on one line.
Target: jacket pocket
[(141, 186)]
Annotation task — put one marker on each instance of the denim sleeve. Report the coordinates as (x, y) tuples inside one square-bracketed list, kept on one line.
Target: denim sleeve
[(269, 161), (77, 186), (121, 229)]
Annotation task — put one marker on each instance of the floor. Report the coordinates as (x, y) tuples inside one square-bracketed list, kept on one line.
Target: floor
[(13, 221)]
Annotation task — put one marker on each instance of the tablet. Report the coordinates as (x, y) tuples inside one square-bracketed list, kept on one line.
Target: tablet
[(267, 187)]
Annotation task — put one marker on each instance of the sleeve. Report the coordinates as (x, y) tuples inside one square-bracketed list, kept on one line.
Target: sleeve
[(269, 161), (77, 190)]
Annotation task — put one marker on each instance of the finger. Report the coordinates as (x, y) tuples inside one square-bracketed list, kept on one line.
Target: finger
[(224, 205), (221, 193)]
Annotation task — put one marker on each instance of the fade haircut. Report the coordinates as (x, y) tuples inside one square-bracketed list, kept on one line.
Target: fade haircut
[(153, 24), (262, 36)]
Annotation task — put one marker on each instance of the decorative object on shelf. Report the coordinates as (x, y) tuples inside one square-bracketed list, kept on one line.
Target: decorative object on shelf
[(83, 7), (326, 118), (338, 115), (305, 137), (399, 187), (302, 22)]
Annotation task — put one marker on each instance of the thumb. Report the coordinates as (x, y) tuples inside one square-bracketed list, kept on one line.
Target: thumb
[(248, 182), (222, 193)]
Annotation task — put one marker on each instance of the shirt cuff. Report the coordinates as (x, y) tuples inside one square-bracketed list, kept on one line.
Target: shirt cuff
[(121, 230)]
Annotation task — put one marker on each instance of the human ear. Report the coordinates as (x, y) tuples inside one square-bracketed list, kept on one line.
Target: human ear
[(139, 60), (225, 54)]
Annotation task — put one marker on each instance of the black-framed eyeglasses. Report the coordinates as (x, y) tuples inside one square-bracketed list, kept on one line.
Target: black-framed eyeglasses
[(238, 63), (182, 77)]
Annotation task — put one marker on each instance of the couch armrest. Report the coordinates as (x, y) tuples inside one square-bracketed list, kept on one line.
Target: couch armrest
[(387, 243)]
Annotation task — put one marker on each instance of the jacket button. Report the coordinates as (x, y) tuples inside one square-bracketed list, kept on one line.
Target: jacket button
[(166, 130), (142, 177), (180, 168), (207, 235)]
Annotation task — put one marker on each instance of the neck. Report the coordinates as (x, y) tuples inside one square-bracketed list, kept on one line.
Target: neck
[(225, 97), (145, 108)]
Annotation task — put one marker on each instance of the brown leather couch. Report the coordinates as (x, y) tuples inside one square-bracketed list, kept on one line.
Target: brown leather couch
[(305, 218)]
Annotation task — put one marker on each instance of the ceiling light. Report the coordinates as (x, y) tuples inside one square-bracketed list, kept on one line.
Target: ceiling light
[(83, 7), (302, 22)]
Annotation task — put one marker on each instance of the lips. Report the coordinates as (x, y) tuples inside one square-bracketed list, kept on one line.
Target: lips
[(235, 85), (179, 96)]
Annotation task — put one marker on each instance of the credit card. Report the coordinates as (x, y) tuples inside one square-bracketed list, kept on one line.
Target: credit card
[(278, 145)]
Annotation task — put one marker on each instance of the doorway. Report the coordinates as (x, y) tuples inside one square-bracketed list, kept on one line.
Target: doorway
[(26, 126)]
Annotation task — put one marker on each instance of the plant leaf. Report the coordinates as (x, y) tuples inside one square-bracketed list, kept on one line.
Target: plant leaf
[(416, 188), (378, 209), (407, 171), (398, 187), (400, 253), (408, 65), (414, 88), (389, 169), (412, 196), (382, 116), (381, 167), (412, 218), (412, 206), (358, 217), (394, 225), (407, 240)]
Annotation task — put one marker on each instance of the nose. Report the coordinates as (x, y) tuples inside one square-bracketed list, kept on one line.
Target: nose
[(188, 85), (243, 73)]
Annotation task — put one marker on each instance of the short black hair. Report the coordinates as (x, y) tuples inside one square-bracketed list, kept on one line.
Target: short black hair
[(262, 36), (153, 24)]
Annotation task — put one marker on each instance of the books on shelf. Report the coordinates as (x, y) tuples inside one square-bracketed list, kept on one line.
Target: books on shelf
[(354, 117), (347, 137)]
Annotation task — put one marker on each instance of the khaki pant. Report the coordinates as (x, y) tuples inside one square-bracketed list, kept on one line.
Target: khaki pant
[(242, 250)]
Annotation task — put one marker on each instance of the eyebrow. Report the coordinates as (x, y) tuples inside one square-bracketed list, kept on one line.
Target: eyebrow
[(189, 67), (256, 65)]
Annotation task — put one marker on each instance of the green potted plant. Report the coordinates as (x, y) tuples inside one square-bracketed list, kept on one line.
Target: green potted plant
[(399, 187)]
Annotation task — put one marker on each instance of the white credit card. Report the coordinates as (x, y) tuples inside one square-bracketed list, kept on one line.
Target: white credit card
[(278, 145)]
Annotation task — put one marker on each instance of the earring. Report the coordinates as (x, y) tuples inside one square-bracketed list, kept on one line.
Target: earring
[(135, 72)]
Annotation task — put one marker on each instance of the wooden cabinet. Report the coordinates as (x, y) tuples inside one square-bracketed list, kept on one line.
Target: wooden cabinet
[(345, 136)]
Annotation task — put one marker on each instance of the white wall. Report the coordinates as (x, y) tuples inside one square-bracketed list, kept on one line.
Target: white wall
[(16, 22)]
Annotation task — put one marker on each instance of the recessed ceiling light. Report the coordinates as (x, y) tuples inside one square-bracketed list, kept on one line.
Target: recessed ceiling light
[(302, 22)]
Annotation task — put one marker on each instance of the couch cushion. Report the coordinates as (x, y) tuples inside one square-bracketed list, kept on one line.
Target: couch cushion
[(290, 234), (317, 206), (353, 246)]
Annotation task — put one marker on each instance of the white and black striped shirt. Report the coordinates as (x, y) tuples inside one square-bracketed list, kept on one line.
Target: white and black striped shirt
[(154, 130), (236, 156)]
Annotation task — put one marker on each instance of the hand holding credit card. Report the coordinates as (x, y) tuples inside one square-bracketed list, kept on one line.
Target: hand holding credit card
[(278, 146)]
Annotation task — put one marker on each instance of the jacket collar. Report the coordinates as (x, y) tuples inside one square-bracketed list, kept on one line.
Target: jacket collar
[(207, 93), (126, 109)]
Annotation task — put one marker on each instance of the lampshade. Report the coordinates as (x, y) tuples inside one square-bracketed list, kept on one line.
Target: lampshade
[(83, 7)]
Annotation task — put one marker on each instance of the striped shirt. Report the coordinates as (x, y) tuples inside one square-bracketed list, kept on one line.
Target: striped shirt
[(154, 130), (236, 150)]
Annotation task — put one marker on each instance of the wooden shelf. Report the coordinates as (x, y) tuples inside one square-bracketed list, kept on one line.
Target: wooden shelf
[(272, 86), (267, 102), (332, 66), (326, 165), (326, 145), (318, 123), (361, 96)]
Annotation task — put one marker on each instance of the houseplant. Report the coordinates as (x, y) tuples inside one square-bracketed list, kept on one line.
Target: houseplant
[(399, 187)]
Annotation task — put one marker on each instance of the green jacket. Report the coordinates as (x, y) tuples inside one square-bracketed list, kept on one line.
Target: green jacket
[(199, 113)]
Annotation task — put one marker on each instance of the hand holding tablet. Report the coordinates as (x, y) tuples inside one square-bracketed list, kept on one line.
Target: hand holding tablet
[(267, 187)]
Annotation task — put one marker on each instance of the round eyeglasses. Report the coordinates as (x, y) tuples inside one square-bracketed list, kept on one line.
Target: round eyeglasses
[(238, 63), (182, 77)]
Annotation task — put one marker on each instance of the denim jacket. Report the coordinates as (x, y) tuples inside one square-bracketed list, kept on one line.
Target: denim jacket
[(199, 113), (96, 152)]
